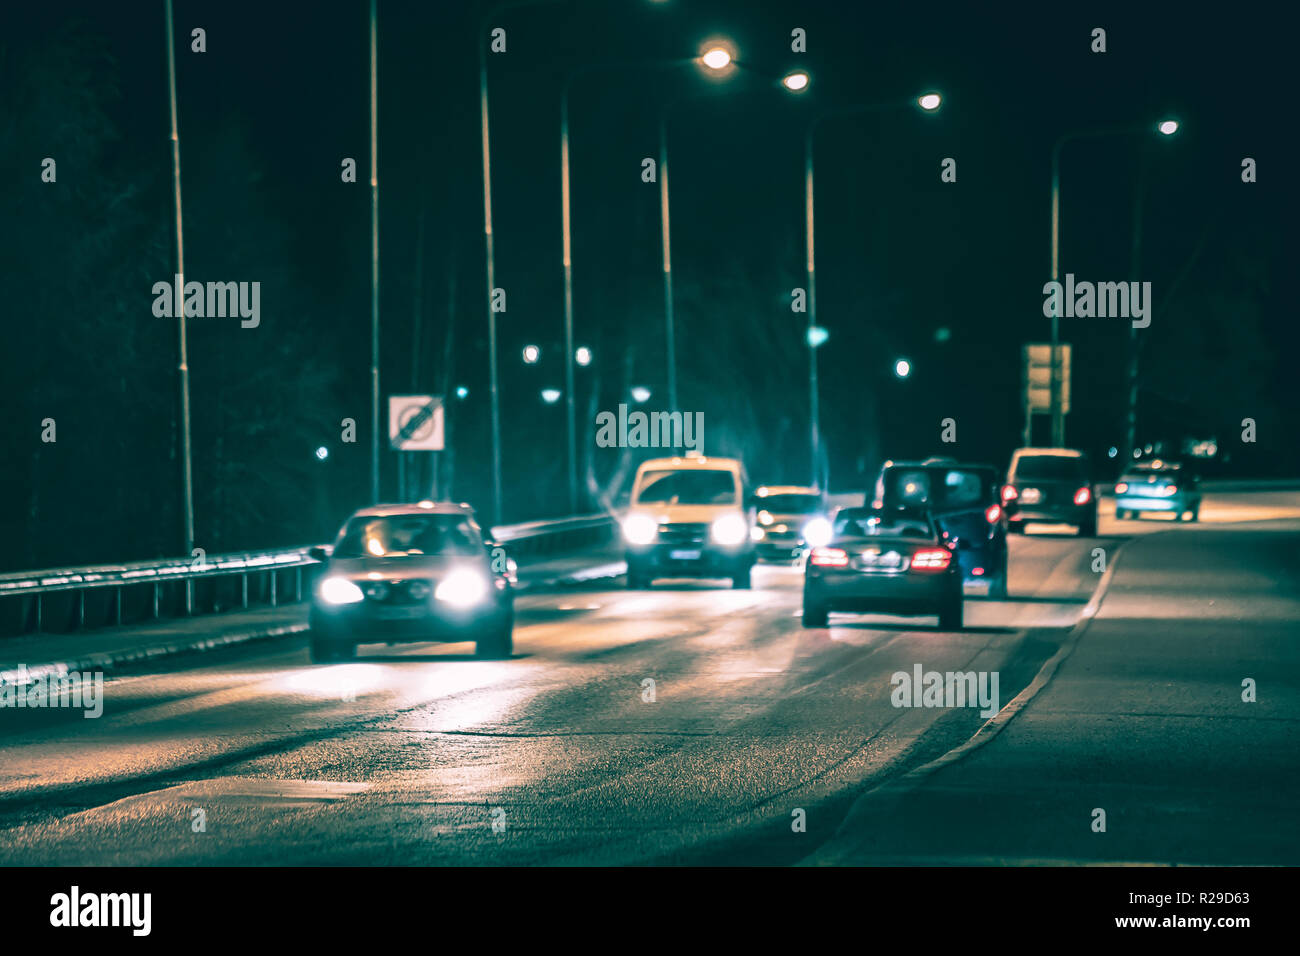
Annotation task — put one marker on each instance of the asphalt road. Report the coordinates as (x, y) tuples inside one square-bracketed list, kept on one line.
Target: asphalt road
[(762, 742)]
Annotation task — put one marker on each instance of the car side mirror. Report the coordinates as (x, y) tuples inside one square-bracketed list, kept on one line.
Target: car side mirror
[(318, 553)]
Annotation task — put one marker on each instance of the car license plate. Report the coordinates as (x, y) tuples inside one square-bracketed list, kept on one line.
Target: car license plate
[(1031, 496), (888, 561), (684, 555), (400, 612)]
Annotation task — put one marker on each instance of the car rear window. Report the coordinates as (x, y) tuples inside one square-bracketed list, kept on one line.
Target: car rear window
[(870, 523), (936, 488), (1050, 467)]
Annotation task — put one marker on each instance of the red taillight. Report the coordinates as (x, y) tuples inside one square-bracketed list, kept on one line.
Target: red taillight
[(829, 557), (932, 559), (1009, 493), (993, 513), (1121, 487), (1083, 496)]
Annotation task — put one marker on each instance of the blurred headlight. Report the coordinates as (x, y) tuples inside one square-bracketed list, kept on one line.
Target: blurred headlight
[(462, 588), (817, 533), (757, 534), (640, 529), (729, 530), (765, 517), (340, 591)]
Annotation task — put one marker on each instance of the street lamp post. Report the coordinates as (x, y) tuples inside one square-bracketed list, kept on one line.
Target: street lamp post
[(374, 254), (717, 59), (1166, 128), (928, 102), (489, 251), (568, 302), (566, 225), (182, 359), (670, 332)]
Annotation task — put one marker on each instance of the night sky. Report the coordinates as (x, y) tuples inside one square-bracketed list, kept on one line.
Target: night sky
[(281, 96)]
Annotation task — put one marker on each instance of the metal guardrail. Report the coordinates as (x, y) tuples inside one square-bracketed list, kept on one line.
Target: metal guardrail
[(59, 600)]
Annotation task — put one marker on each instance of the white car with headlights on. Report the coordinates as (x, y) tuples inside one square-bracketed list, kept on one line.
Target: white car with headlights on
[(688, 518), (412, 573)]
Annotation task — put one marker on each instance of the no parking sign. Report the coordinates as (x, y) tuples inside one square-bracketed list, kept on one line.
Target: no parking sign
[(415, 422)]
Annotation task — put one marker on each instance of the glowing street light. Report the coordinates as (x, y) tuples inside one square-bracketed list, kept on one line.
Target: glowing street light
[(1168, 127), (531, 354), (795, 82), (640, 393), (322, 453), (817, 335), (902, 368), (716, 58), (550, 395), (583, 356), (462, 392), (929, 102)]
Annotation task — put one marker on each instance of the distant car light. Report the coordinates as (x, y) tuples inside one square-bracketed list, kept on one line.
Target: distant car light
[(640, 529), (765, 517), (1009, 493), (992, 513), (757, 534), (1121, 487), (462, 588), (729, 530), (1083, 496), (817, 532), (338, 590)]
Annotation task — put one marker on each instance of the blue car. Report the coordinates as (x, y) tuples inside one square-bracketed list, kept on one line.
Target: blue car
[(1163, 487), (963, 500)]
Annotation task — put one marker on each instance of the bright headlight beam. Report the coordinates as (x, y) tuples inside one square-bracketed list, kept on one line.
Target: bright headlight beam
[(462, 588), (338, 590), (729, 530), (640, 529), (817, 533)]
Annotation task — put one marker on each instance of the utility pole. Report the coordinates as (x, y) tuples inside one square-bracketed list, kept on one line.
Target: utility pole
[(182, 364)]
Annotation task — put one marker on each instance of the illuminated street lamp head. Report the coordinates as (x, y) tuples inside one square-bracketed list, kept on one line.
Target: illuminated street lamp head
[(640, 393), (1168, 127), (550, 395), (795, 82), (583, 356), (902, 368), (929, 101), (531, 354), (716, 58)]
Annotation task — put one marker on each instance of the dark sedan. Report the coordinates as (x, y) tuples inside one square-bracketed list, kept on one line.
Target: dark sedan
[(413, 573), (884, 560)]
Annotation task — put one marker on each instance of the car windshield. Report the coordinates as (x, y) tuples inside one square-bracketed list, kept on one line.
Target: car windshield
[(869, 523), (404, 535), (791, 504), (694, 487), (938, 488), (1051, 467)]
